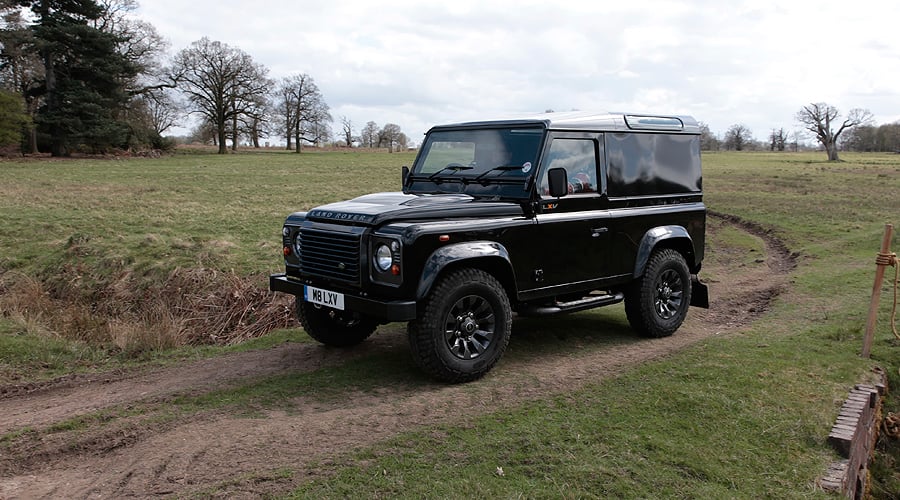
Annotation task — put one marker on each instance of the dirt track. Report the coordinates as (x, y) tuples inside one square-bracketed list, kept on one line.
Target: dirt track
[(135, 453)]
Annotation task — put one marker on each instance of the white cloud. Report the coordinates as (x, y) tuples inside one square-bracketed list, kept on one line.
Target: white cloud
[(417, 64)]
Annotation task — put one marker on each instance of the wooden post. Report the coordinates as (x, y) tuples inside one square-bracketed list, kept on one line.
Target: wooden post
[(876, 293)]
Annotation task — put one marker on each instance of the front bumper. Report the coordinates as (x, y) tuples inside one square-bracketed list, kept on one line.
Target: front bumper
[(387, 311)]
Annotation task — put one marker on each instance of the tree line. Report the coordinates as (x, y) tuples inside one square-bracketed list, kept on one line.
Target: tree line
[(84, 76), (821, 122)]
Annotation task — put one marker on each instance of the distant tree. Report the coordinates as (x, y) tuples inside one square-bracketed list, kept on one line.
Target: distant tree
[(861, 138), (204, 133), (253, 122), (777, 140), (283, 110), (871, 138), (222, 85), (163, 109), (738, 137), (347, 131), (821, 118), (797, 138), (151, 103), (390, 136), (22, 70), (301, 110), (316, 123), (13, 118), (83, 91), (369, 135), (708, 140), (889, 137), (137, 42)]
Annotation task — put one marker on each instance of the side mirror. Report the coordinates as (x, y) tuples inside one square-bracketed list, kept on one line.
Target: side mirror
[(404, 173), (559, 182)]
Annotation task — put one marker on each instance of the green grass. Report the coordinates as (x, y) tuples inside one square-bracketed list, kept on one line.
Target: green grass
[(739, 416), (149, 215)]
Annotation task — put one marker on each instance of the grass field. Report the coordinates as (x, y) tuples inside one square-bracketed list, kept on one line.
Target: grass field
[(741, 416)]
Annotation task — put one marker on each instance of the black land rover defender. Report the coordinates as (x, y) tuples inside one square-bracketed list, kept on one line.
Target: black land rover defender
[(553, 213)]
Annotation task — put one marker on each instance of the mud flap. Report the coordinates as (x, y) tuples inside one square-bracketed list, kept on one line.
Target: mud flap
[(699, 293)]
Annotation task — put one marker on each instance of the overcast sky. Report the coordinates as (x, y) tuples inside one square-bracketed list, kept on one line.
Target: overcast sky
[(418, 63)]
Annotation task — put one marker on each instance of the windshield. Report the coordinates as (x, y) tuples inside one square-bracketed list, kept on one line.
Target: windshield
[(481, 158)]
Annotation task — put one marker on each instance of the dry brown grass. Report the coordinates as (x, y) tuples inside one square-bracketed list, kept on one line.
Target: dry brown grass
[(191, 306)]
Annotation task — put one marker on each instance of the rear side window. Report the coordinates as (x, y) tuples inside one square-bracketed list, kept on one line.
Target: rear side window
[(652, 164)]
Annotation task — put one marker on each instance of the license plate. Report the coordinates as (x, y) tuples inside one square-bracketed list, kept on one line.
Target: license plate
[(326, 298)]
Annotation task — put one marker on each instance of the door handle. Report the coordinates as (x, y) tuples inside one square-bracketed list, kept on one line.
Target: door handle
[(597, 231)]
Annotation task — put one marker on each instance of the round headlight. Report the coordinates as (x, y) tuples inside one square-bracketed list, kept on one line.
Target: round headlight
[(383, 257), (296, 244)]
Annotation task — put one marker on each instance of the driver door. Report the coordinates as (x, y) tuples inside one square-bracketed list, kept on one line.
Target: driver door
[(573, 230)]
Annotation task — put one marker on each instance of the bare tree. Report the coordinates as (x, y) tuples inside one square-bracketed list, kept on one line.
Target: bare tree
[(148, 116), (347, 130), (164, 110), (798, 136), (317, 123), (777, 140), (390, 136), (204, 133), (402, 141), (302, 110), (138, 42), (252, 122), (222, 84), (708, 140), (821, 118), (285, 108), (369, 135), (738, 137)]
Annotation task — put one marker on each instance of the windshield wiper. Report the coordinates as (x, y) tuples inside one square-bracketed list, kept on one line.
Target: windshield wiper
[(502, 168), (455, 167)]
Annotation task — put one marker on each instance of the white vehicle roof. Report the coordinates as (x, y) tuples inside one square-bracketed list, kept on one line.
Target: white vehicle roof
[(594, 121)]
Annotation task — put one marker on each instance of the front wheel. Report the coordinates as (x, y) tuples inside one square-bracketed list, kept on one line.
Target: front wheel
[(657, 302), (464, 327), (333, 327)]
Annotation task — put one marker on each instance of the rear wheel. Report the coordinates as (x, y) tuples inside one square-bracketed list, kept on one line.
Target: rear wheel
[(464, 327), (657, 302), (333, 327)]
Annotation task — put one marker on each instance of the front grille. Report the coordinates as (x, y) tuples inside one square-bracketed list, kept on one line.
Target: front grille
[(330, 254)]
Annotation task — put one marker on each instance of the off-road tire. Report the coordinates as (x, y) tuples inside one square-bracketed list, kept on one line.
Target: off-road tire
[(333, 327), (463, 327), (657, 302)]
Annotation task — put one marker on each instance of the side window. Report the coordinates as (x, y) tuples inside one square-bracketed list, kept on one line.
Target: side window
[(578, 157), (652, 164)]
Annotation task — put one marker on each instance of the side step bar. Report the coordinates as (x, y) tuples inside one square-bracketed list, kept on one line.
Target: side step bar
[(589, 302)]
